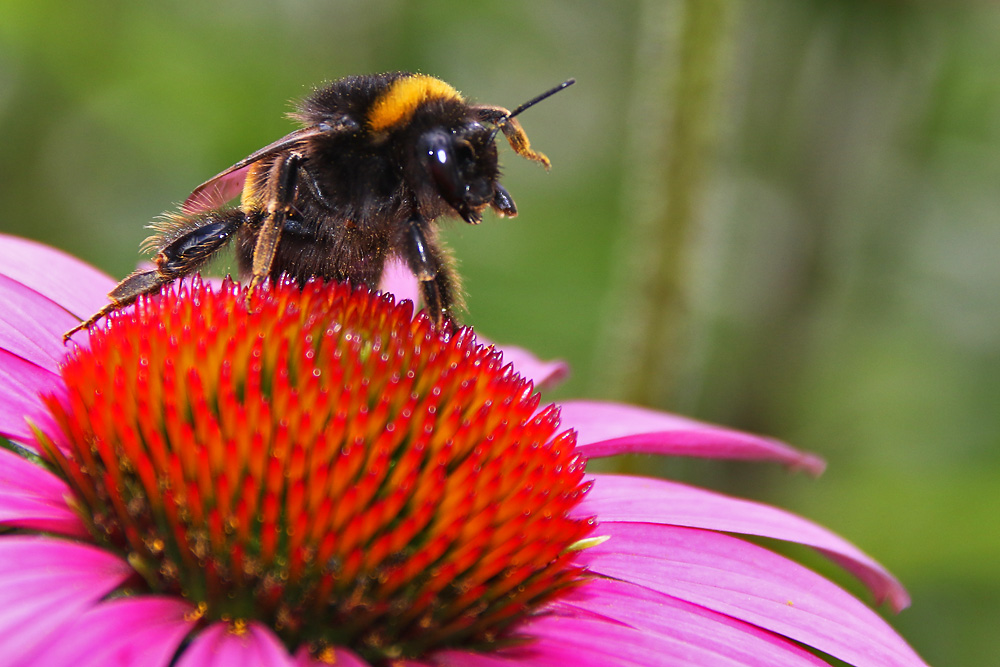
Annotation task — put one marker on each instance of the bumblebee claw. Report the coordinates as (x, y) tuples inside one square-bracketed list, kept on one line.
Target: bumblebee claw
[(69, 334)]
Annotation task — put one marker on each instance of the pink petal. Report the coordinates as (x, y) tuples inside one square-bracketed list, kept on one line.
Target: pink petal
[(724, 640), (645, 500), (544, 374), (33, 498), (560, 641), (606, 429), (21, 383), (588, 641), (615, 623), (749, 583), (75, 285), (128, 631), (31, 325), (45, 584), (399, 281), (217, 646)]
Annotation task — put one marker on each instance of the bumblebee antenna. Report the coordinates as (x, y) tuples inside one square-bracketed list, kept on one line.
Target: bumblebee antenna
[(530, 103), (535, 100)]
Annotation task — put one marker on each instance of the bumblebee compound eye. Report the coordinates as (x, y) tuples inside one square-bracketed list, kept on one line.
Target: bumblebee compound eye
[(436, 151), (462, 172)]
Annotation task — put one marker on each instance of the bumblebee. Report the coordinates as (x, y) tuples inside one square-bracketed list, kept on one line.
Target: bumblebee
[(378, 159)]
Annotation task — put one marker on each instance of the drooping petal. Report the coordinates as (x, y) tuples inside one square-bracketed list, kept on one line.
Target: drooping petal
[(31, 325), (219, 646), (558, 641), (129, 631), (544, 374), (749, 583), (562, 640), (644, 500), (606, 429), (21, 386), (44, 584), (723, 640), (32, 498), (75, 285)]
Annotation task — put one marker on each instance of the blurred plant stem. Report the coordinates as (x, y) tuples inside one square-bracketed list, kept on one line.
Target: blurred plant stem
[(671, 139)]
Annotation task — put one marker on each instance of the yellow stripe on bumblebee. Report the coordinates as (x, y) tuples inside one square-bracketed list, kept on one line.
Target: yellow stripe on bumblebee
[(396, 106)]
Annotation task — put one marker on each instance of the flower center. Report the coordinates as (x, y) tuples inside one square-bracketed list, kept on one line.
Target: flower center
[(321, 461)]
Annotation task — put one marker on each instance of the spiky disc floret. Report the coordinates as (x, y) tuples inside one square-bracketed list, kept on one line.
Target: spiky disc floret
[(320, 460)]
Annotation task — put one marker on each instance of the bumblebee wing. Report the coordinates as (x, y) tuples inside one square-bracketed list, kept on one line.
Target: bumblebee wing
[(216, 192), (227, 185)]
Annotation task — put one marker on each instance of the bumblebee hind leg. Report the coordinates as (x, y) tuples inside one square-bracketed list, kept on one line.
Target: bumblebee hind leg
[(176, 257)]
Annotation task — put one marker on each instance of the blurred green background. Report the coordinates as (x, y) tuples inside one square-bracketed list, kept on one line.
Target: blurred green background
[(778, 215)]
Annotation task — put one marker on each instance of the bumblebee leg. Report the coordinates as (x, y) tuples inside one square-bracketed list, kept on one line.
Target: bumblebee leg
[(174, 260), (511, 129), (432, 267), (439, 297), (127, 291), (281, 191)]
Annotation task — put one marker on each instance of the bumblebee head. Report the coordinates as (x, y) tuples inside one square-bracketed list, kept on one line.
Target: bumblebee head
[(462, 165), (462, 162)]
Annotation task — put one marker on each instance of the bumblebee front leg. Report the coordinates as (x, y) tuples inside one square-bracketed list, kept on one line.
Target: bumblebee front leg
[(175, 259), (280, 194), (432, 267)]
